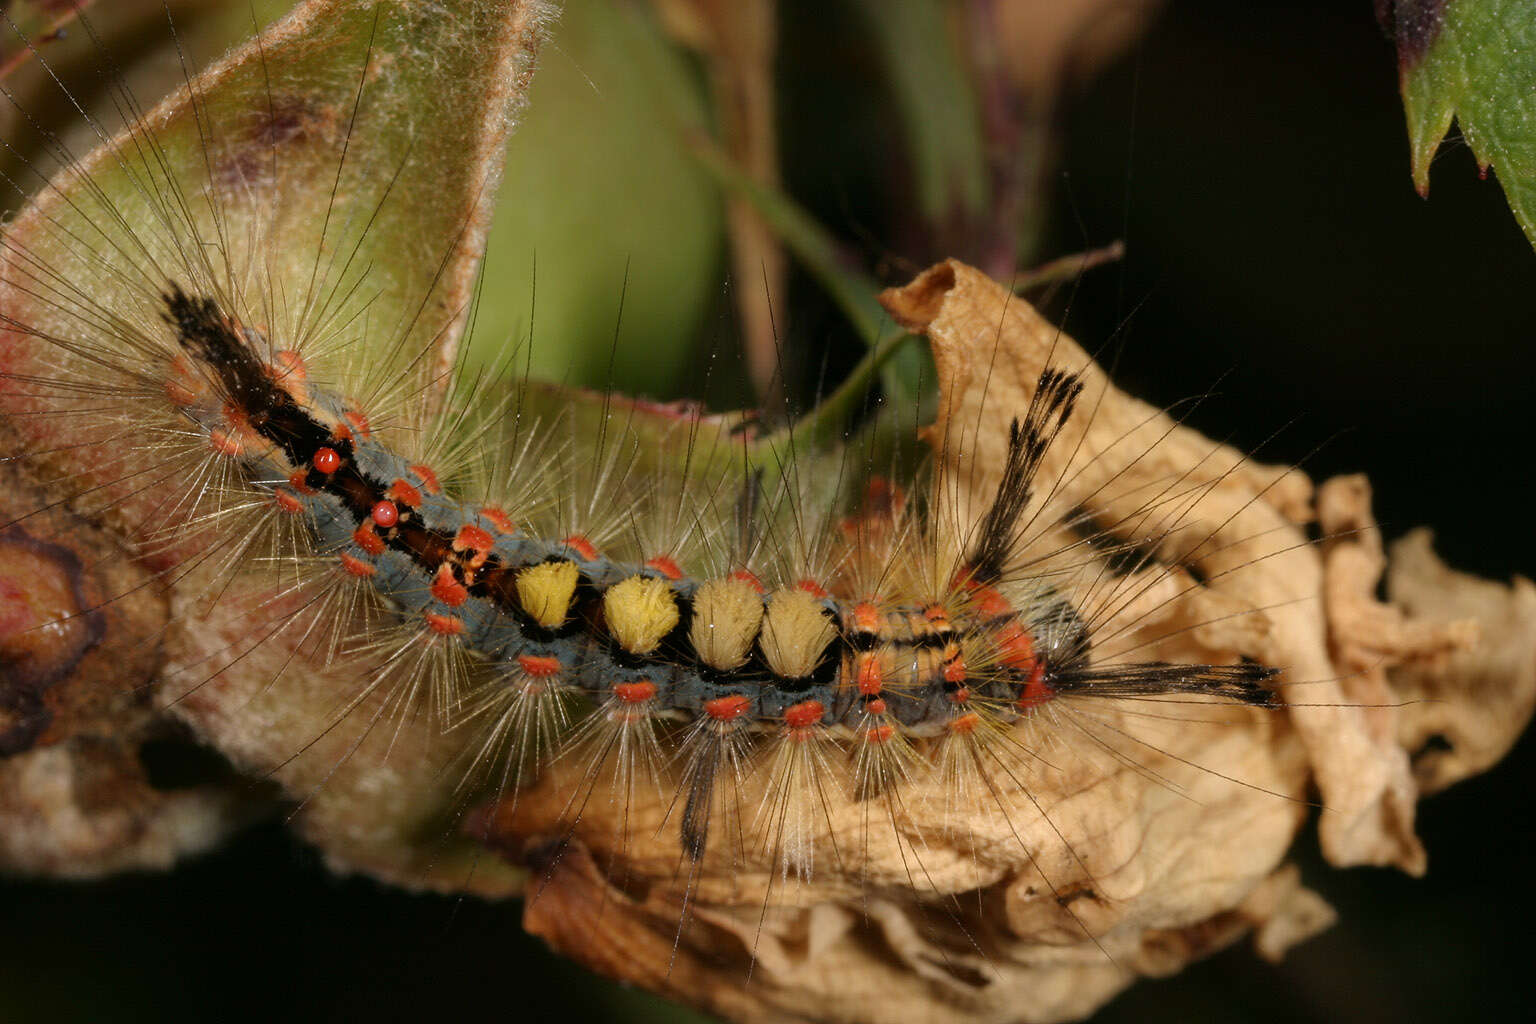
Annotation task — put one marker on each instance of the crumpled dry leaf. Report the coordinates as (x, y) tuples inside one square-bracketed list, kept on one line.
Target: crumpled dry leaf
[(1470, 707), (982, 335), (77, 709), (980, 929)]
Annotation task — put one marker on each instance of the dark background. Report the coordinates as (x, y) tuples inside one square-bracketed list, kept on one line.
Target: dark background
[(1254, 159)]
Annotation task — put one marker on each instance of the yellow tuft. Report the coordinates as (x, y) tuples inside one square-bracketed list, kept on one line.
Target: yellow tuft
[(726, 617), (545, 592), (796, 631), (640, 612)]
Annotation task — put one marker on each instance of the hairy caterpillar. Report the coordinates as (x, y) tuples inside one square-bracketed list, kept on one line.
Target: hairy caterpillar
[(145, 315)]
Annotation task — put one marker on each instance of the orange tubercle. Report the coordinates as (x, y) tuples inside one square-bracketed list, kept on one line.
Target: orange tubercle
[(727, 709), (666, 566), (1016, 647), (356, 566), (964, 725), (358, 423), (500, 521), (287, 501), (288, 366), (582, 546), (446, 587), (1035, 691), (867, 674), (538, 666), (225, 442), (805, 714), (404, 492), (428, 479), (635, 693), (749, 579), (444, 625), (367, 538), (812, 587), (471, 538)]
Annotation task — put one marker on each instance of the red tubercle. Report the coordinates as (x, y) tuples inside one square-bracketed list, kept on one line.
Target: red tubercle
[(867, 674), (447, 588), (879, 733), (299, 481), (287, 501), (582, 546), (356, 566), (954, 669), (538, 666), (384, 514), (367, 538), (813, 588), (326, 461), (404, 492), (727, 709), (500, 521), (666, 566), (635, 693), (428, 479), (937, 615), (804, 714), (960, 696), (444, 625), (876, 707), (749, 579)]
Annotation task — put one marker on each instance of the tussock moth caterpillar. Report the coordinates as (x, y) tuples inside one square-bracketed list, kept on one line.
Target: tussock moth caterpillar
[(593, 469)]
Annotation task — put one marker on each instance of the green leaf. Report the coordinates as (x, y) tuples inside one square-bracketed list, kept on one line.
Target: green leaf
[(937, 106), (329, 183), (606, 243), (1475, 61)]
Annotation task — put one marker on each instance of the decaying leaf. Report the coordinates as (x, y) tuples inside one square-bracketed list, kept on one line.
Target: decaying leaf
[(1157, 873)]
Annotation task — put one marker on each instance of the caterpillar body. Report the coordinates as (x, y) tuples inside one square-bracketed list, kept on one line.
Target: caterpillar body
[(557, 615)]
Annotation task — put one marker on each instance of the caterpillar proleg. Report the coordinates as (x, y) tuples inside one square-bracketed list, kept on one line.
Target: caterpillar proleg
[(985, 723)]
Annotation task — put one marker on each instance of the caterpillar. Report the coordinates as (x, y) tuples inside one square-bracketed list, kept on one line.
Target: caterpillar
[(771, 655)]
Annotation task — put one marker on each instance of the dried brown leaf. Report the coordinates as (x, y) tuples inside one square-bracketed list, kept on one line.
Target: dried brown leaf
[(994, 923), (1471, 705)]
